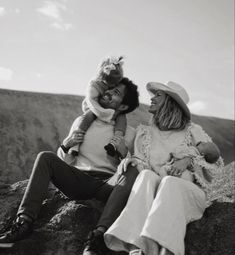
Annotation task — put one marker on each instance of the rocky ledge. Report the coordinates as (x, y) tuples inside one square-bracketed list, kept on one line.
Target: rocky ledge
[(63, 224)]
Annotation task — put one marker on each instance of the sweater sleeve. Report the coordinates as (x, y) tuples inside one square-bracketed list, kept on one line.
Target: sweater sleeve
[(92, 102), (68, 157)]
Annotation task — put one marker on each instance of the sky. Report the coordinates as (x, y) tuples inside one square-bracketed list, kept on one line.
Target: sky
[(56, 46)]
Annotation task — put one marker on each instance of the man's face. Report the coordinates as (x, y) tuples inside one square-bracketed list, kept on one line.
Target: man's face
[(112, 98)]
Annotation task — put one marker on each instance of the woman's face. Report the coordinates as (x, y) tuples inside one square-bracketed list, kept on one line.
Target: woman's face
[(156, 101)]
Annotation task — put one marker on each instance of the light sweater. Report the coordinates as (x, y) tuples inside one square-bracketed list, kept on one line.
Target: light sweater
[(92, 155), (153, 148)]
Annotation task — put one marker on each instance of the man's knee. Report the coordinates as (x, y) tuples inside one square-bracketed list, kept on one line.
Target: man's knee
[(131, 172), (128, 178), (46, 156)]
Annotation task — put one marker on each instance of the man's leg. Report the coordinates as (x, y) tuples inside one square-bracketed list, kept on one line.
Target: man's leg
[(48, 167), (70, 180), (118, 197), (117, 191)]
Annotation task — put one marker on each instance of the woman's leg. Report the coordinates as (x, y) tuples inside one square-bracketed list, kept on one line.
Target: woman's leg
[(177, 203), (150, 246), (127, 228)]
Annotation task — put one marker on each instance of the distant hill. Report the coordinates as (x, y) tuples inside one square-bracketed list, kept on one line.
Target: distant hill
[(32, 122)]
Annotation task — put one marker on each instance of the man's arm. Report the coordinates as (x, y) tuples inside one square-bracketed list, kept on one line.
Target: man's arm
[(74, 137)]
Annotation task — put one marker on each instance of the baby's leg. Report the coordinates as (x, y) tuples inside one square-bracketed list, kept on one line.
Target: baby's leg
[(119, 131), (86, 119), (187, 175), (120, 125)]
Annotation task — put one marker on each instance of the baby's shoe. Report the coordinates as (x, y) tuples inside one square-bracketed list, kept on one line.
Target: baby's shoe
[(110, 149)]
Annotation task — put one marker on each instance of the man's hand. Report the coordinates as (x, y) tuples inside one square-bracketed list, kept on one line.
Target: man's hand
[(75, 138), (179, 166), (133, 161), (122, 168)]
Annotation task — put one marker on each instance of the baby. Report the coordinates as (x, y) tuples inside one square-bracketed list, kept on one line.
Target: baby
[(208, 150), (109, 75)]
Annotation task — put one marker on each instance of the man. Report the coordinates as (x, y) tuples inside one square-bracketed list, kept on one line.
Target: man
[(92, 174)]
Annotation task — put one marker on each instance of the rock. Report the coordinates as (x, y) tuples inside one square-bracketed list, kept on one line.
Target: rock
[(63, 224), (214, 234)]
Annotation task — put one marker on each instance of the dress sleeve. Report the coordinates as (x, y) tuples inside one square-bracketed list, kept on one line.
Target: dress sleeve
[(198, 134), (184, 150), (91, 101)]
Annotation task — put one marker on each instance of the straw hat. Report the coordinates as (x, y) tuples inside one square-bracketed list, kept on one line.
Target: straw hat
[(174, 90)]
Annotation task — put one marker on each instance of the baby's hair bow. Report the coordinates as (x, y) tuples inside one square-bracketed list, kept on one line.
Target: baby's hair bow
[(113, 63)]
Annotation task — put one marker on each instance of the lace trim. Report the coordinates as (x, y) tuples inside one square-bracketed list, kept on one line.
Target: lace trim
[(144, 131)]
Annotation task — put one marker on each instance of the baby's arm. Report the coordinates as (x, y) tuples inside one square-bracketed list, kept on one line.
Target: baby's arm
[(92, 102), (184, 151), (120, 125)]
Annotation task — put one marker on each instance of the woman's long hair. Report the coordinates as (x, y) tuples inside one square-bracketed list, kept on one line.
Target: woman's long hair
[(170, 115)]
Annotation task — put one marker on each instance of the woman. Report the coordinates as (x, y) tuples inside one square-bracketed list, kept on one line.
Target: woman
[(159, 208)]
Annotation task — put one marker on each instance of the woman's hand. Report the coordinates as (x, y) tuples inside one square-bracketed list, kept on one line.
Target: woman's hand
[(179, 166), (76, 137)]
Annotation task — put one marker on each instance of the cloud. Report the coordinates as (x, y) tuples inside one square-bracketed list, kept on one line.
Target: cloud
[(2, 11), (54, 10), (5, 74), (61, 26), (39, 75), (197, 106)]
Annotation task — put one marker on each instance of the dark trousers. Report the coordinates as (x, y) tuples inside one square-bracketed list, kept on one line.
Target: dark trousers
[(76, 184)]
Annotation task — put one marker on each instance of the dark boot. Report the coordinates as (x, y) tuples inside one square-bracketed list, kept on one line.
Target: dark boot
[(95, 244), (20, 229)]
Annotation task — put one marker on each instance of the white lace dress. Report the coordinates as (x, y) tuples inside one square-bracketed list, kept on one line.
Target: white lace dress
[(159, 209)]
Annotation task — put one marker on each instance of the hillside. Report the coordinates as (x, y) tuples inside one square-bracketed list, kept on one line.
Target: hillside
[(31, 122)]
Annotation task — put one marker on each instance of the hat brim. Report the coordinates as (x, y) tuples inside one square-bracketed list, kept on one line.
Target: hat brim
[(153, 87)]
